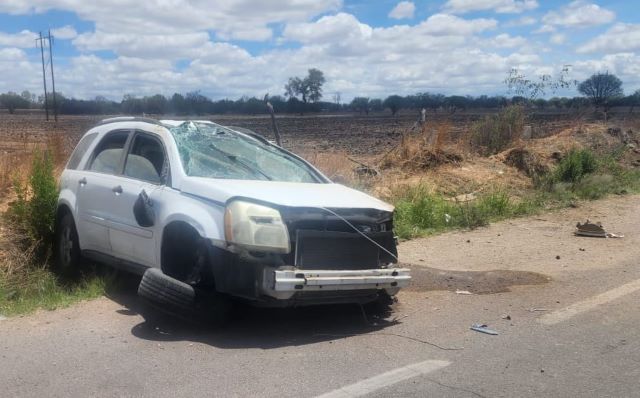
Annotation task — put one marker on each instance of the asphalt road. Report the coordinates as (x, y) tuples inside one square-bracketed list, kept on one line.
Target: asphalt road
[(568, 326)]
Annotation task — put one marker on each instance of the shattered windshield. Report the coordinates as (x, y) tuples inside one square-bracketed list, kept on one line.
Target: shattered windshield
[(213, 151)]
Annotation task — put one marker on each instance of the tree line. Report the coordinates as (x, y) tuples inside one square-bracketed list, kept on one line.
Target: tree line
[(304, 95)]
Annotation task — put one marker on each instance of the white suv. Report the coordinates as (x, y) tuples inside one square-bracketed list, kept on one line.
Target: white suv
[(213, 207)]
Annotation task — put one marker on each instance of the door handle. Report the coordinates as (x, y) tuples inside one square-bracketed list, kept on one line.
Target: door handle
[(82, 181), (117, 190)]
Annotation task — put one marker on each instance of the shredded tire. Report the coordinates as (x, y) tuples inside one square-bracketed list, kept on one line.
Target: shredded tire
[(166, 293)]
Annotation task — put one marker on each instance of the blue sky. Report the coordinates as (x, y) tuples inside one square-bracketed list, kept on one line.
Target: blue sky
[(370, 48)]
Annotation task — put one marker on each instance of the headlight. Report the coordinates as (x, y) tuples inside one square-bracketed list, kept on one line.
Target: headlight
[(255, 227)]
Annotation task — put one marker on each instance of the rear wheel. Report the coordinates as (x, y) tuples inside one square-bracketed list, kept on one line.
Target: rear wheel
[(67, 247)]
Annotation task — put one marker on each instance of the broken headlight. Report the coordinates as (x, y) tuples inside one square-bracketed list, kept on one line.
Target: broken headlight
[(255, 227)]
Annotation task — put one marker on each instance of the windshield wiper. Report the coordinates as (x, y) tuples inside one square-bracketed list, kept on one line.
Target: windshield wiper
[(242, 163)]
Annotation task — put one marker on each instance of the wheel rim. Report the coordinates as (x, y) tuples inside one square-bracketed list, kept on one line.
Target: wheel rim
[(66, 246)]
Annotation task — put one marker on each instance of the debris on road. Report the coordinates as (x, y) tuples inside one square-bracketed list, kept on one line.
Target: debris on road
[(464, 292), (483, 329), (506, 316), (537, 309), (595, 230)]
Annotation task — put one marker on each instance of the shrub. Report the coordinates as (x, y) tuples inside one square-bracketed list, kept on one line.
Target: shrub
[(495, 132), (575, 166), (34, 208)]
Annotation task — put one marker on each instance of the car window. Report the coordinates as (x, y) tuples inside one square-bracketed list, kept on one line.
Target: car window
[(146, 160), (108, 153), (213, 151), (81, 148)]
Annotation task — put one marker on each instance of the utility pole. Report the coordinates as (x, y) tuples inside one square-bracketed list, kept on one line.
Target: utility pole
[(53, 80), (44, 77)]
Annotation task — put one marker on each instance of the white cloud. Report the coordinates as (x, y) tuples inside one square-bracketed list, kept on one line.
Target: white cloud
[(579, 14), (558, 39), (250, 19), (64, 33), (403, 10), (522, 21), (620, 38), (499, 6), (24, 39), (505, 40)]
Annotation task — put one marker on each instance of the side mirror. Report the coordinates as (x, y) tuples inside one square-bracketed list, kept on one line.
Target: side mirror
[(143, 210)]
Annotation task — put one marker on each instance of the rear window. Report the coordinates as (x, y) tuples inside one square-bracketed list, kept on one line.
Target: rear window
[(81, 149)]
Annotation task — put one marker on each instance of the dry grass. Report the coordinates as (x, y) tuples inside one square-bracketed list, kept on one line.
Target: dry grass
[(423, 150)]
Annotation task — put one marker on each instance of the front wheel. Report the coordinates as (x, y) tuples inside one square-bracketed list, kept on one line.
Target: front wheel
[(67, 247)]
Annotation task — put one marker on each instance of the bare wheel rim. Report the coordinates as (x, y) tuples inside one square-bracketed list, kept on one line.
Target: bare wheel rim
[(66, 246)]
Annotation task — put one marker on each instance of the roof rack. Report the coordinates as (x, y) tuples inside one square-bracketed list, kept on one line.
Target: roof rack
[(129, 119)]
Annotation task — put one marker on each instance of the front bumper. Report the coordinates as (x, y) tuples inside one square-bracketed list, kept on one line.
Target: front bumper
[(282, 284)]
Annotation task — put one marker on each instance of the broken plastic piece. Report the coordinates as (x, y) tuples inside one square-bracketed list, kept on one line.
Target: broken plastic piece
[(464, 292), (483, 329)]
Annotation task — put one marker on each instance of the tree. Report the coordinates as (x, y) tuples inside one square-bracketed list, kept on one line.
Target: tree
[(601, 88), (394, 103), (13, 101), (309, 88), (518, 83), (360, 104)]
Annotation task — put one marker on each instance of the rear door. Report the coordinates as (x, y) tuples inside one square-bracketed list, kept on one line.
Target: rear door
[(95, 194), (146, 168)]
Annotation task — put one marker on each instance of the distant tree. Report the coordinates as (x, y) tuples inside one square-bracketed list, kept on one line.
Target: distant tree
[(375, 105), (601, 88), (518, 83), (337, 96), (394, 103), (360, 104), (635, 100), (13, 101), (309, 88), (30, 97)]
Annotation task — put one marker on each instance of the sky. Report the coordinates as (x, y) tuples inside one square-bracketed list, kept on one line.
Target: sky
[(234, 48)]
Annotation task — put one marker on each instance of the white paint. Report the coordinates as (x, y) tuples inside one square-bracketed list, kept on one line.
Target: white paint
[(589, 304), (367, 386)]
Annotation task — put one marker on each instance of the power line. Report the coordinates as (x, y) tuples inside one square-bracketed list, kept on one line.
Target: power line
[(41, 43)]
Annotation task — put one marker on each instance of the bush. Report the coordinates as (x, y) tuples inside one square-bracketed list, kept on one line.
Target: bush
[(36, 200), (495, 132), (575, 166)]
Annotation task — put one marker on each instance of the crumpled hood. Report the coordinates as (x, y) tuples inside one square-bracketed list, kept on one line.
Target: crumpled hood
[(290, 194)]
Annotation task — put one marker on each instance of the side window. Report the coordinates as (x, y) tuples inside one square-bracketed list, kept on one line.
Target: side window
[(108, 153), (81, 148), (146, 160)]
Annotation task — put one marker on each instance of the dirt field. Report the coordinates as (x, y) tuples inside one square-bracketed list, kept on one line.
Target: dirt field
[(334, 141)]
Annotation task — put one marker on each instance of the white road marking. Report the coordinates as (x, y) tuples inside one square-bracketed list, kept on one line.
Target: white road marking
[(589, 304), (367, 386)]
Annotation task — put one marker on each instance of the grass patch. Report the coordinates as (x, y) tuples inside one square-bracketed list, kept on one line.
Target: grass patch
[(41, 288), (580, 175), (421, 212), (26, 280)]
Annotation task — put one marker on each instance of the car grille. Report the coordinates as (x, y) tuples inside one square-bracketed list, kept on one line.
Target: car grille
[(323, 241)]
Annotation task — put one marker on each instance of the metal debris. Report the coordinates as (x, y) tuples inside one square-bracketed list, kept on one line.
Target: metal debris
[(595, 230), (483, 329)]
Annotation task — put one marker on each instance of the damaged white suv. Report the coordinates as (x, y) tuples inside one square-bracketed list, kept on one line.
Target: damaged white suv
[(223, 209)]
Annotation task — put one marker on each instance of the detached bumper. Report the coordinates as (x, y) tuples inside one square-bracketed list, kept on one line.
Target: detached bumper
[(283, 284)]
